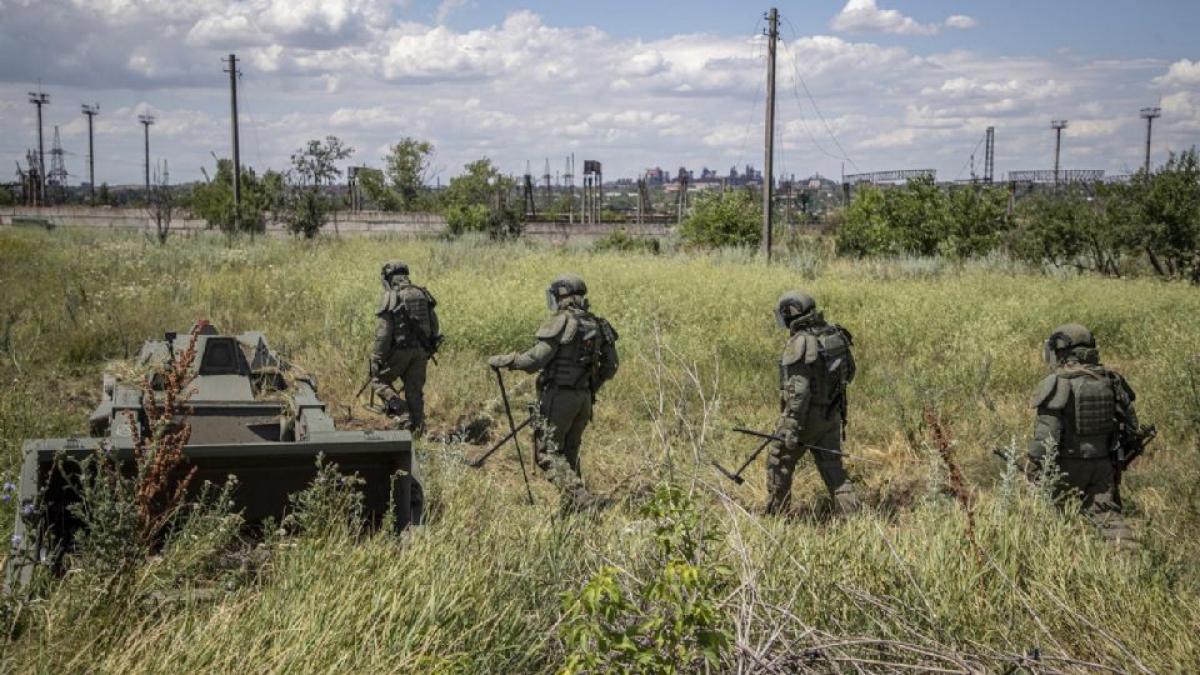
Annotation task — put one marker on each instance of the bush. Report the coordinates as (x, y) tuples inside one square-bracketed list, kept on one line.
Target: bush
[(732, 218), (620, 240), (669, 623), (501, 224)]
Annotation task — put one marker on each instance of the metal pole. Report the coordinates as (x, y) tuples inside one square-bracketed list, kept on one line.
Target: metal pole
[(91, 111), (237, 161), (40, 99), (146, 129), (1149, 114), (1057, 126), (769, 160)]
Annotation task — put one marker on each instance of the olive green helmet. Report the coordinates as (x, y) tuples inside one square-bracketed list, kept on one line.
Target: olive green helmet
[(393, 267), (1065, 338), (565, 286), (793, 305)]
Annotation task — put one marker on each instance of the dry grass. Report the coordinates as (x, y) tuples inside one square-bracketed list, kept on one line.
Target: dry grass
[(897, 588)]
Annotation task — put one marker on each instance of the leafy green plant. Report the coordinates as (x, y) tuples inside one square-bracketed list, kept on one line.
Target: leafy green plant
[(332, 504), (732, 218), (668, 623), (620, 240)]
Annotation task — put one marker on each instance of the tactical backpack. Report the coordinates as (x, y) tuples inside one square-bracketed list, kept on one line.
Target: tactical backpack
[(820, 358), (586, 354)]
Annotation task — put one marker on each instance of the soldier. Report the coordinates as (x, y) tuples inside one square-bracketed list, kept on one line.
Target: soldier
[(1083, 411), (407, 335), (813, 373), (575, 355)]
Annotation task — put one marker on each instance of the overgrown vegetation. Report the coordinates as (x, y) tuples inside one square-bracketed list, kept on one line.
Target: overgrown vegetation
[(491, 584), (1116, 229), (725, 218), (262, 199)]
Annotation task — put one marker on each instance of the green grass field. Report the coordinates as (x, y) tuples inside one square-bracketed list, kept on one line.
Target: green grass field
[(481, 587)]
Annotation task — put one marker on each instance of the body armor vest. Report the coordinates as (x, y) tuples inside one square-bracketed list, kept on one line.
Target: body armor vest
[(824, 360), (1090, 426), (410, 309), (578, 360)]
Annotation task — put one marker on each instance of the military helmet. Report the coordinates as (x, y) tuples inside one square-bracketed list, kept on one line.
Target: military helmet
[(1067, 337), (393, 267), (793, 305), (565, 286)]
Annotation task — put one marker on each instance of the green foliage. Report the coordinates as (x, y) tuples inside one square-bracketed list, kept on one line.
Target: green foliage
[(378, 195), (212, 200), (669, 623), (1109, 228), (307, 207), (620, 240), (1170, 223), (481, 184), (307, 210), (331, 505), (979, 219), (474, 202), (724, 218), (407, 165), (920, 218)]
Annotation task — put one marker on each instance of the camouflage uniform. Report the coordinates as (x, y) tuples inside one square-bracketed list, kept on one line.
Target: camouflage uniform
[(406, 336), (1078, 408), (814, 370), (574, 357)]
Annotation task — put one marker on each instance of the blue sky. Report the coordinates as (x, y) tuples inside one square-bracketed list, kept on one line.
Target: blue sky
[(893, 83)]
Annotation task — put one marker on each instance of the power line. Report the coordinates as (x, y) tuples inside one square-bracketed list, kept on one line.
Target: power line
[(813, 100), (755, 48)]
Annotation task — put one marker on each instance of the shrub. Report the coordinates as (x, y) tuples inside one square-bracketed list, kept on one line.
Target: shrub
[(620, 240), (668, 623), (732, 218)]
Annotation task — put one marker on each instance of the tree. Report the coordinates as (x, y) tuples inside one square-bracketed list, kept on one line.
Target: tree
[(407, 165), (475, 202), (162, 207), (373, 186), (718, 218), (313, 166), (978, 218), (865, 229), (212, 200), (1170, 209), (1056, 228)]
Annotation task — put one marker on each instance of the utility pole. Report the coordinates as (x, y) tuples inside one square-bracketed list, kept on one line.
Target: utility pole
[(146, 121), (769, 160), (91, 111), (989, 156), (40, 99), (1150, 114), (1057, 126), (237, 157)]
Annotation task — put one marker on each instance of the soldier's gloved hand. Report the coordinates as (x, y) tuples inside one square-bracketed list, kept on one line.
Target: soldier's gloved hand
[(501, 361), (375, 367)]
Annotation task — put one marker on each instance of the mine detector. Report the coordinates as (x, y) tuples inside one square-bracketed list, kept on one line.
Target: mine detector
[(252, 416)]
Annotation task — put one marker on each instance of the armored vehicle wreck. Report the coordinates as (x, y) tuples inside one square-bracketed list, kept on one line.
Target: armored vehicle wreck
[(251, 416)]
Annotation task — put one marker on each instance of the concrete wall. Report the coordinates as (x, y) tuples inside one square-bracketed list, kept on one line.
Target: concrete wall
[(362, 222), (103, 217)]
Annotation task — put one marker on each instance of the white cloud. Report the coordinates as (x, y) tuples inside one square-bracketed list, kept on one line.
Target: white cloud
[(896, 138), (960, 21), (864, 16), (525, 89), (1182, 73), (445, 7)]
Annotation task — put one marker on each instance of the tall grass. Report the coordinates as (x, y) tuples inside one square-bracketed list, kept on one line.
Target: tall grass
[(481, 587)]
